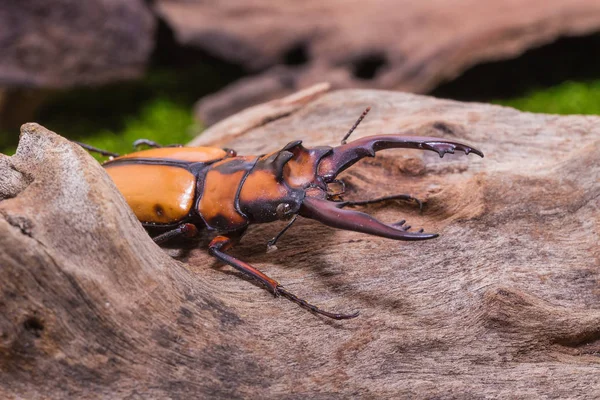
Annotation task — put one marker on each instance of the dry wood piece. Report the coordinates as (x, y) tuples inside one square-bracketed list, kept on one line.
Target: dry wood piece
[(69, 42), (388, 44), (504, 303)]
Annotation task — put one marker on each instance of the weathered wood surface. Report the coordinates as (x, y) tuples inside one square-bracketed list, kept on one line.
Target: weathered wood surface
[(404, 45), (503, 304), (63, 43)]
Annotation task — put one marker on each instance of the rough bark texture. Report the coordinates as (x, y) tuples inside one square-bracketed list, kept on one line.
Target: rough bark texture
[(389, 44), (62, 43), (503, 304)]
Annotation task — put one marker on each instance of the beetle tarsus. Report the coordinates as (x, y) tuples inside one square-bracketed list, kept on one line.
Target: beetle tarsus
[(306, 305), (271, 243), (183, 230), (405, 197), (150, 143), (96, 150)]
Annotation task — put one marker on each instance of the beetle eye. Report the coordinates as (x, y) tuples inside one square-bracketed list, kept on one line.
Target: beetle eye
[(230, 152), (283, 211)]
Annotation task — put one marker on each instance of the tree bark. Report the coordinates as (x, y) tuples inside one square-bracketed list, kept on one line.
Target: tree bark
[(503, 304)]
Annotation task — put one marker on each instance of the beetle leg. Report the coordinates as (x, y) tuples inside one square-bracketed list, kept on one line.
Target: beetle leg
[(96, 150), (271, 243), (220, 244), (406, 197), (217, 248), (304, 304), (186, 230), (151, 143)]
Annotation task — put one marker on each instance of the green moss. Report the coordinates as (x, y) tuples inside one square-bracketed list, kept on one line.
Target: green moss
[(158, 107), (565, 98), (161, 120)]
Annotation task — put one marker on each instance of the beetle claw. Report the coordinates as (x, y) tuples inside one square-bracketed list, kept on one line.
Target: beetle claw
[(330, 213), (346, 155), (338, 159)]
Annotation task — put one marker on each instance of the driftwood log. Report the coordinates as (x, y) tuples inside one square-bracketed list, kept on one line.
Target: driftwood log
[(48, 45), (64, 43), (503, 304), (386, 44)]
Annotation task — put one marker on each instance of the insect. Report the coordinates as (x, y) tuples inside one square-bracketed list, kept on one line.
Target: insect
[(179, 190)]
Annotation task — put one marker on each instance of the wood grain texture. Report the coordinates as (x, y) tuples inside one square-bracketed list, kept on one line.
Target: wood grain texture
[(503, 304)]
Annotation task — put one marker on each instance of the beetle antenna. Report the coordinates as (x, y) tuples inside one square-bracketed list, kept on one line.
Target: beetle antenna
[(362, 116), (96, 150)]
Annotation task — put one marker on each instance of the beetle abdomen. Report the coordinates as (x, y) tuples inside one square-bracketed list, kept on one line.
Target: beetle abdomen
[(159, 194)]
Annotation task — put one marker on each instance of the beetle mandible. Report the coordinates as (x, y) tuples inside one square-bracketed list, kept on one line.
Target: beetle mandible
[(180, 189)]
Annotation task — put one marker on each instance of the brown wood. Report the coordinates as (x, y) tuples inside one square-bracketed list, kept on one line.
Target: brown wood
[(406, 45), (71, 42), (503, 304)]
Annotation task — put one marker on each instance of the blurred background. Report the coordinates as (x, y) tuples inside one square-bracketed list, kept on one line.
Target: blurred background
[(108, 72)]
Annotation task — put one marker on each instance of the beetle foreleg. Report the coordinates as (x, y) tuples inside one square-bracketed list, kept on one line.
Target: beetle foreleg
[(96, 150), (220, 244), (217, 248), (150, 143), (186, 230), (406, 197), (271, 243), (304, 304)]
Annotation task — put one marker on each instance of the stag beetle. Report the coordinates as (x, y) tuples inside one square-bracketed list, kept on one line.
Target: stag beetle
[(180, 189)]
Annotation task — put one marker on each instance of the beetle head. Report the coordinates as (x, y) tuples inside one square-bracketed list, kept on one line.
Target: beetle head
[(295, 179), (313, 169)]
